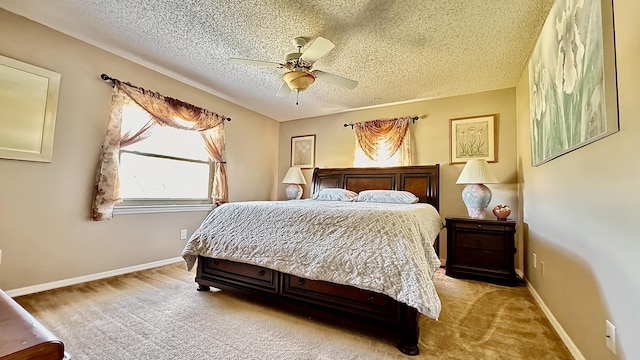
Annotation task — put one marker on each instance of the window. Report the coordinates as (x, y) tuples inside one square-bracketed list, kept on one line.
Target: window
[(170, 166), (382, 158), (167, 170), (382, 143)]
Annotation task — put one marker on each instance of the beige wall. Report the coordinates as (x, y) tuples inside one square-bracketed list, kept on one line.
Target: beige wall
[(45, 231), (335, 143), (581, 211)]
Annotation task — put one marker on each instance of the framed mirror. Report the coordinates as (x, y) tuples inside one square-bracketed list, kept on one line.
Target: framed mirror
[(28, 103)]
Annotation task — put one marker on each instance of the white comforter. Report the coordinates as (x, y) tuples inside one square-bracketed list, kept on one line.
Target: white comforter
[(386, 248)]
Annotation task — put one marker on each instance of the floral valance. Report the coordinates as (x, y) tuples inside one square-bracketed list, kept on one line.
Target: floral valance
[(169, 111), (391, 131)]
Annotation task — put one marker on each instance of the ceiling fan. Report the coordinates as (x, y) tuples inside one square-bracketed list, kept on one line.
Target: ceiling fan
[(299, 64)]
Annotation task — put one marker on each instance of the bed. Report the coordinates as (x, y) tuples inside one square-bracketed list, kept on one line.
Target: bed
[(378, 292)]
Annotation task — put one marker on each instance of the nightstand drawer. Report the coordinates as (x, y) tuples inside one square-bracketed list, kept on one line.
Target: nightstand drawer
[(479, 226), (479, 240), (478, 257)]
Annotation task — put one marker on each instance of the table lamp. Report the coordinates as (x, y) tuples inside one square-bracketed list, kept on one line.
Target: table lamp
[(294, 178), (475, 195)]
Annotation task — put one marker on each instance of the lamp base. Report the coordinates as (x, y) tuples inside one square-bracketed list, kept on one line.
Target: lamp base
[(476, 197), (293, 191)]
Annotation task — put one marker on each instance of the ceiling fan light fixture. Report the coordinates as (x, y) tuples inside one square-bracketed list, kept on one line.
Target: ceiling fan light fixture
[(300, 74), (298, 80)]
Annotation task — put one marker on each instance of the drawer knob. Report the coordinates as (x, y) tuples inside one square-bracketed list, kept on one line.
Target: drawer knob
[(216, 262), (261, 273), (372, 298), (300, 282), (479, 226)]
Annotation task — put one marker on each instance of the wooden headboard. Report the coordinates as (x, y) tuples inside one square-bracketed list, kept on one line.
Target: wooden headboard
[(422, 181)]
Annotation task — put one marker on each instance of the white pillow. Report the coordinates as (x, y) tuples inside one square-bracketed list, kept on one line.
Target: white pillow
[(335, 195), (387, 196)]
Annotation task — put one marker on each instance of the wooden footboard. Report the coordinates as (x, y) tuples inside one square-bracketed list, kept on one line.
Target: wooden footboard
[(328, 301)]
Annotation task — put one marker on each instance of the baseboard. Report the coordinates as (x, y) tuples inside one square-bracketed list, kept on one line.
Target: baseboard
[(520, 273), (77, 280), (573, 349)]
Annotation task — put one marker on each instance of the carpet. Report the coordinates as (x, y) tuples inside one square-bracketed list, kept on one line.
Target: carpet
[(157, 314)]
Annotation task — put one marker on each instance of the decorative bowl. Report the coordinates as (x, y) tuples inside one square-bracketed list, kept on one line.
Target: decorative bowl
[(502, 212)]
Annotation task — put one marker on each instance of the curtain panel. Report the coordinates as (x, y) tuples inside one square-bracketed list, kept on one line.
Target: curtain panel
[(164, 111), (391, 133), (214, 142)]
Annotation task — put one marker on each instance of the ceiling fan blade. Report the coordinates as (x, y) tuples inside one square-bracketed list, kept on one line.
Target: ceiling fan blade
[(284, 90), (335, 79), (317, 49), (255, 63)]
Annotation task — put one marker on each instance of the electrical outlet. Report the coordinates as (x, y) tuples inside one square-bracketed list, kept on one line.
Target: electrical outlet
[(183, 234), (610, 334), (535, 261), (542, 268)]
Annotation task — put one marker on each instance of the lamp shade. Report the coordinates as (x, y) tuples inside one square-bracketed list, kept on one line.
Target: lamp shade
[(294, 176), (476, 171)]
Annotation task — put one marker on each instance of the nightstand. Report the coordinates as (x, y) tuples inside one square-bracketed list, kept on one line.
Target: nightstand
[(481, 250)]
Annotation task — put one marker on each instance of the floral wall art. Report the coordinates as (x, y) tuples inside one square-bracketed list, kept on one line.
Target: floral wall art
[(472, 138), (572, 79), (303, 151)]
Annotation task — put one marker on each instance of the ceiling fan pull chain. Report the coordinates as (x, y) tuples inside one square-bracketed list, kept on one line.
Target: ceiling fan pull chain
[(297, 94)]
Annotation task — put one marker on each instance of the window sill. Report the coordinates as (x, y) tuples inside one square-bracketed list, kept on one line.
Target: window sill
[(155, 209)]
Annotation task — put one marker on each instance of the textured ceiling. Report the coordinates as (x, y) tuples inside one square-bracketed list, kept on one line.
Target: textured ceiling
[(398, 51)]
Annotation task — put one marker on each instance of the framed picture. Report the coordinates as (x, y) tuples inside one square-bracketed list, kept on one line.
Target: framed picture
[(472, 138), (28, 103), (572, 79), (303, 151)]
